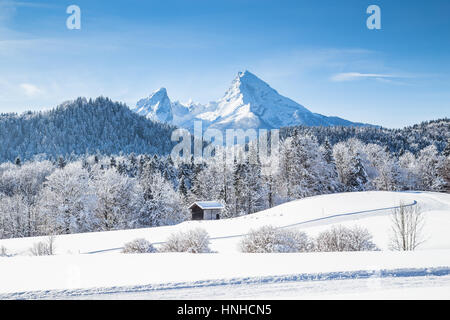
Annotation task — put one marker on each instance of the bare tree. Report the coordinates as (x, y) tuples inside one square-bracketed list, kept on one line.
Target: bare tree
[(3, 252), (44, 248), (407, 226)]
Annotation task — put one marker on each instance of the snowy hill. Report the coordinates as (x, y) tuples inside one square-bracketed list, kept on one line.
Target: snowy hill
[(369, 209), (82, 126), (248, 103), (91, 264)]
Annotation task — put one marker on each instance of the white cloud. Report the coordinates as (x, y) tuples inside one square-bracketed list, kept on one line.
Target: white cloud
[(30, 89), (350, 76)]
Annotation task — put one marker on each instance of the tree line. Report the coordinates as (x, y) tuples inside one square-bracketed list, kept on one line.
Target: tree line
[(103, 192)]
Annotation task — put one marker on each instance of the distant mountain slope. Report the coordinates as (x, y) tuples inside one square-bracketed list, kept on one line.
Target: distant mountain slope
[(81, 127), (248, 103), (413, 138)]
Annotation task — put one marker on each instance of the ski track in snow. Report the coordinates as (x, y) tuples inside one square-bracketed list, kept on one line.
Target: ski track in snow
[(373, 279)]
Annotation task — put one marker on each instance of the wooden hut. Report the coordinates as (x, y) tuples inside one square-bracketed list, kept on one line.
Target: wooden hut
[(206, 210)]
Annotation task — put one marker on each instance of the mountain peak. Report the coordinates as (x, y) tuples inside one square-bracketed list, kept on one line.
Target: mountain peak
[(248, 84), (245, 73), (160, 92), (251, 101), (248, 103), (248, 77), (156, 107)]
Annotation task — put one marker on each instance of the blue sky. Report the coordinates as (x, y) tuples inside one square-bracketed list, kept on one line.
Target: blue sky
[(318, 53)]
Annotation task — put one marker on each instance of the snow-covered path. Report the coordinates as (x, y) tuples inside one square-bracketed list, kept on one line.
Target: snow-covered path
[(423, 287), (425, 283), (84, 275)]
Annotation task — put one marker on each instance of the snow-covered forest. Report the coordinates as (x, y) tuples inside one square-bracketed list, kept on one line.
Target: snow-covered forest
[(413, 138), (103, 192), (81, 127)]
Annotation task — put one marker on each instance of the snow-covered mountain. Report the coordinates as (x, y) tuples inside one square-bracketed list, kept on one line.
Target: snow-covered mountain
[(156, 107), (248, 103)]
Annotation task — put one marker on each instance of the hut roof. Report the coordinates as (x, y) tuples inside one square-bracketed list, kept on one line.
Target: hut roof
[(207, 205)]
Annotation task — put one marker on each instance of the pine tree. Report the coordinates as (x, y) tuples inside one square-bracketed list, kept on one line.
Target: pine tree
[(358, 177), (328, 152), (112, 162), (122, 168), (61, 162), (85, 164), (182, 189), (446, 151), (238, 178)]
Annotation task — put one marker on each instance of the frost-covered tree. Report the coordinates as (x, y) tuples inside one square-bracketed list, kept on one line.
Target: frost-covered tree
[(386, 173), (249, 191), (14, 217), (429, 166), (24, 184), (351, 164), (445, 172), (161, 204), (67, 201), (118, 201), (409, 174), (304, 170)]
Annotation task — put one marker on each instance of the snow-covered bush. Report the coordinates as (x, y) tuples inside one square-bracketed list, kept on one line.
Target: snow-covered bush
[(138, 246), (341, 238), (192, 241), (268, 239)]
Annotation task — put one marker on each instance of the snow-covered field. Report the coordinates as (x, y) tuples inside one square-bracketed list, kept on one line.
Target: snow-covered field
[(90, 265)]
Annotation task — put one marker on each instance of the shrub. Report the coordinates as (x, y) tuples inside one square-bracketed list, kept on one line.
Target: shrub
[(192, 241), (3, 252), (44, 248), (138, 246), (341, 238), (268, 239)]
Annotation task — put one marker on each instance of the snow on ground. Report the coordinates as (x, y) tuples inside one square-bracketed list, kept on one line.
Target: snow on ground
[(429, 287), (93, 260), (122, 274)]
